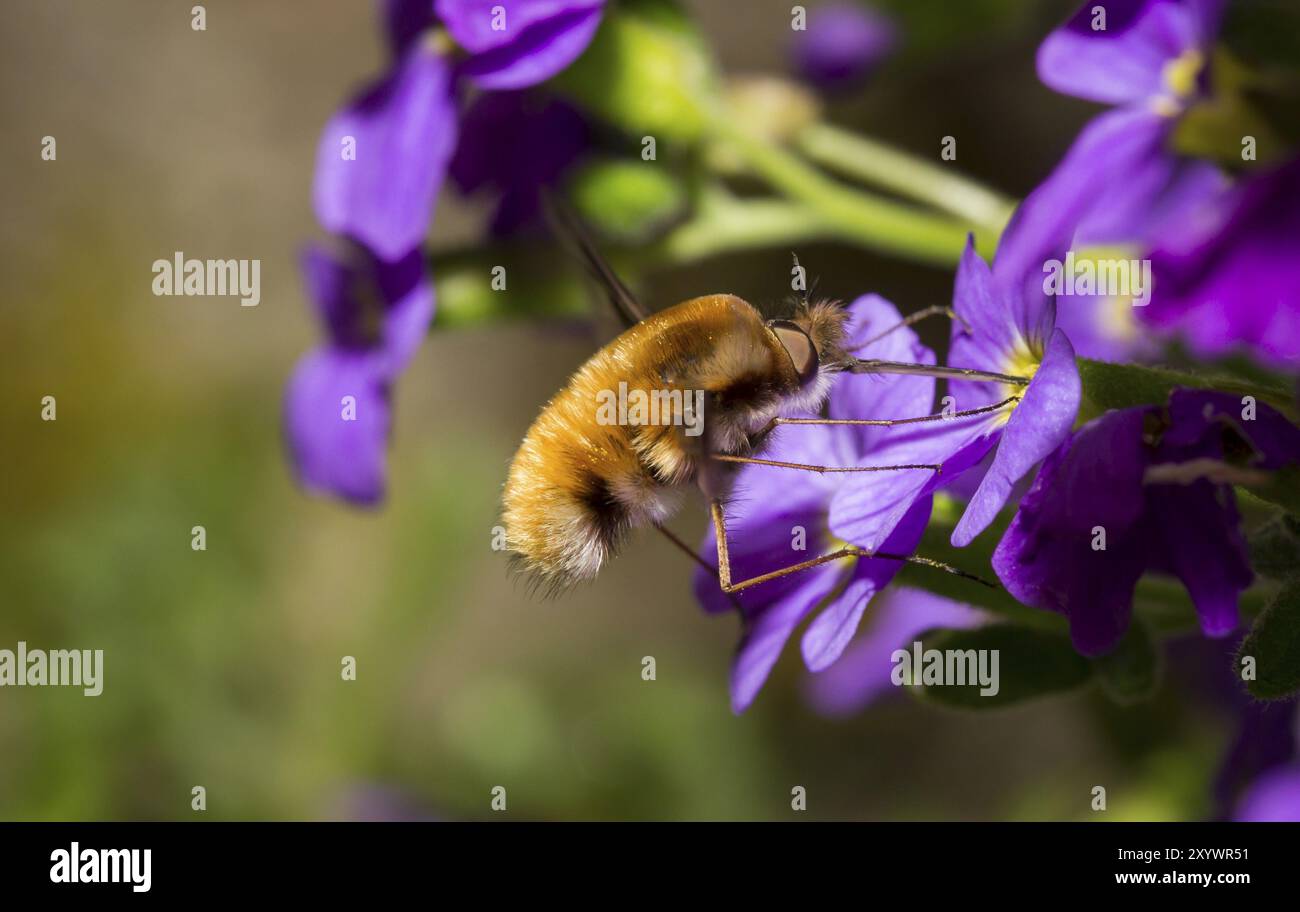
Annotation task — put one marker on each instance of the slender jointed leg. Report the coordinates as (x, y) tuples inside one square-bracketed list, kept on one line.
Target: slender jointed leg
[(890, 422), (820, 469), (724, 559), (925, 313), (693, 555)]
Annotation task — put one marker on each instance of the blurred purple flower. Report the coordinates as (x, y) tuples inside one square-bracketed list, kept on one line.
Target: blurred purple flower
[(773, 504), (380, 164), (376, 803), (514, 44), (1238, 282), (336, 407), (863, 673), (383, 157), (518, 144), (842, 44), (1272, 798), (1146, 476), (1120, 187)]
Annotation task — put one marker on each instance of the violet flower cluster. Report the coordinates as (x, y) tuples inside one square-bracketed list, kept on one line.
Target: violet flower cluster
[(380, 164)]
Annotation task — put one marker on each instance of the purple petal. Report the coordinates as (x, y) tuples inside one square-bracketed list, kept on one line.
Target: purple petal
[(1238, 286), (539, 39), (1199, 534), (1274, 798), (1198, 415), (332, 454), (1109, 151), (833, 628), (366, 303), (769, 631), (869, 396), (404, 129), (517, 143), (1125, 62), (862, 674), (766, 508), (1038, 425), (1046, 558), (994, 335)]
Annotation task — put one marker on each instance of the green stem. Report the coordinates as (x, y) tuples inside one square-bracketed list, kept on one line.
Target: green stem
[(723, 224), (865, 218), (877, 163)]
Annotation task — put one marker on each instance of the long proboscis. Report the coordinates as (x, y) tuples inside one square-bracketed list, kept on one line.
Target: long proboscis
[(875, 366)]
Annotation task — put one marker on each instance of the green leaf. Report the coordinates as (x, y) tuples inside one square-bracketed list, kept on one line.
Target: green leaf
[(1274, 645), (1275, 548), (1118, 386), (1030, 663), (1281, 489), (645, 72), (627, 200), (1130, 672)]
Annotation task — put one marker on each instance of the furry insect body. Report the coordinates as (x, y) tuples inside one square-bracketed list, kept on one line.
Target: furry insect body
[(577, 486)]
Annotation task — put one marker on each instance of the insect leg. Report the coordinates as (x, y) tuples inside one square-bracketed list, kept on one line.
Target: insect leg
[(890, 422), (917, 317), (752, 460), (724, 559), (693, 555)]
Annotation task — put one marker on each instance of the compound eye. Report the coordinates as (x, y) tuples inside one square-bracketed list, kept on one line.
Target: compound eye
[(800, 348)]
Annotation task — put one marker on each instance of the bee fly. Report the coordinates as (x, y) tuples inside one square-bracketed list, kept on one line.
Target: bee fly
[(579, 485)]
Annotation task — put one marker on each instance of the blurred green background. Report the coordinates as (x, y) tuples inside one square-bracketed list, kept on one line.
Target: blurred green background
[(222, 667)]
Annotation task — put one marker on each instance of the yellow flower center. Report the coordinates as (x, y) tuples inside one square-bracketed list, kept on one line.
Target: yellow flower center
[(1022, 363), (1179, 77)]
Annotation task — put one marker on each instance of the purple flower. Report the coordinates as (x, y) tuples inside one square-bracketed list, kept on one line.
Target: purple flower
[(1007, 326), (514, 44), (518, 143), (862, 674), (780, 517), (1150, 53), (336, 408), (842, 44), (379, 166), (1153, 479), (1119, 188), (384, 156), (382, 159), (1238, 282)]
